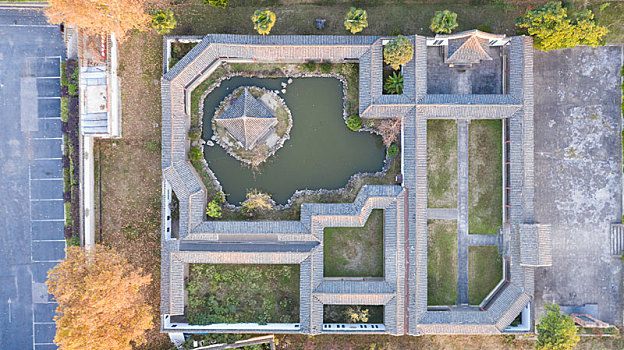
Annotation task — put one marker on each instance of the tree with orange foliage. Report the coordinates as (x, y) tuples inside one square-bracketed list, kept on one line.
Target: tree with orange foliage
[(95, 17), (100, 300)]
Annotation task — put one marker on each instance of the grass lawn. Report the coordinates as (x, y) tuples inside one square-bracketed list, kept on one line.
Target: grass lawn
[(611, 16), (441, 163), (485, 191), (341, 313), (485, 270), (441, 262), (442, 342), (262, 294), (354, 251)]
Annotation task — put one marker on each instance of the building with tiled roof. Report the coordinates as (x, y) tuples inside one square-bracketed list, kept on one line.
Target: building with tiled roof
[(247, 119), (403, 289), (466, 51)]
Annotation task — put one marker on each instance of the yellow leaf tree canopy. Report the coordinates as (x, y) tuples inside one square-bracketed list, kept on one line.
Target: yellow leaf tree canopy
[(552, 28), (100, 16), (101, 304)]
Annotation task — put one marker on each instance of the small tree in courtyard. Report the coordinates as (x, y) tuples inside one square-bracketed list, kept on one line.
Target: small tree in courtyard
[(216, 3), (356, 20), (163, 21), (263, 21), (552, 29), (95, 17), (398, 51), (556, 331), (443, 22), (101, 303)]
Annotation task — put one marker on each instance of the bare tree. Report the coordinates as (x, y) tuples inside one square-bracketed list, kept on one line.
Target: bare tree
[(390, 129)]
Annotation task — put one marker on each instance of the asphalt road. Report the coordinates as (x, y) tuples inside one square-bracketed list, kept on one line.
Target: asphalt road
[(31, 185)]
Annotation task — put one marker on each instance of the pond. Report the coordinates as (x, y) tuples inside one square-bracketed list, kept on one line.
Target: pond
[(321, 153)]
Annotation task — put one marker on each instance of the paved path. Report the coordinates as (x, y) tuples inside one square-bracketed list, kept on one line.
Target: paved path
[(31, 227), (462, 208), (441, 214)]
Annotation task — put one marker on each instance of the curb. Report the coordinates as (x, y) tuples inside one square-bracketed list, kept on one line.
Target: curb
[(23, 5)]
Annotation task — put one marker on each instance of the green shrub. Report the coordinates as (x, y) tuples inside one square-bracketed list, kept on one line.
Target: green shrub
[(356, 20), (214, 209), (64, 109), (163, 21), (194, 134), (310, 66), (76, 74), (216, 3), (327, 67), (73, 241), (443, 22), (398, 51), (484, 28), (263, 21), (393, 150), (354, 122), (552, 29), (195, 154), (72, 90), (64, 79), (394, 83)]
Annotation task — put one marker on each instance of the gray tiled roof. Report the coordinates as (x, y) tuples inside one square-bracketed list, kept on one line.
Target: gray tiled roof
[(536, 245), (403, 290), (467, 50)]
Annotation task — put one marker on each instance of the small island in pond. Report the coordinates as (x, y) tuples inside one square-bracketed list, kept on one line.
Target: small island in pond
[(251, 124)]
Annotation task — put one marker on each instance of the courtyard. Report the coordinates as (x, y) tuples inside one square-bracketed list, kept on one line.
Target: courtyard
[(464, 263)]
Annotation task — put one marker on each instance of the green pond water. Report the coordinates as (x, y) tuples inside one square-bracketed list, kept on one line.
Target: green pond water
[(321, 153)]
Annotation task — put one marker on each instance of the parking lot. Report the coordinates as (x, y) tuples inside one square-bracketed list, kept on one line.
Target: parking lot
[(31, 227)]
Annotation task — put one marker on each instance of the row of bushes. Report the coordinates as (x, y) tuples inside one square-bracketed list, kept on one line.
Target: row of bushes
[(69, 118)]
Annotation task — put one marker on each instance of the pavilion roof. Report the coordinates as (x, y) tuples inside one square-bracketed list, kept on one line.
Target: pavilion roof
[(467, 50), (247, 119)]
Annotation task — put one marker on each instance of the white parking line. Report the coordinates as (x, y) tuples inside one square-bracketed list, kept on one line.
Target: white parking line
[(29, 25), (52, 220), (46, 200), (49, 118), (49, 97), (48, 77), (43, 323), (48, 179), (48, 159), (48, 240), (46, 261), (46, 138)]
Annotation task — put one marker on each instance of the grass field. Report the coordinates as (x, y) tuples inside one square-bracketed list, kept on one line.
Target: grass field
[(485, 270), (354, 251), (485, 191), (441, 164), (441, 262), (242, 293)]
